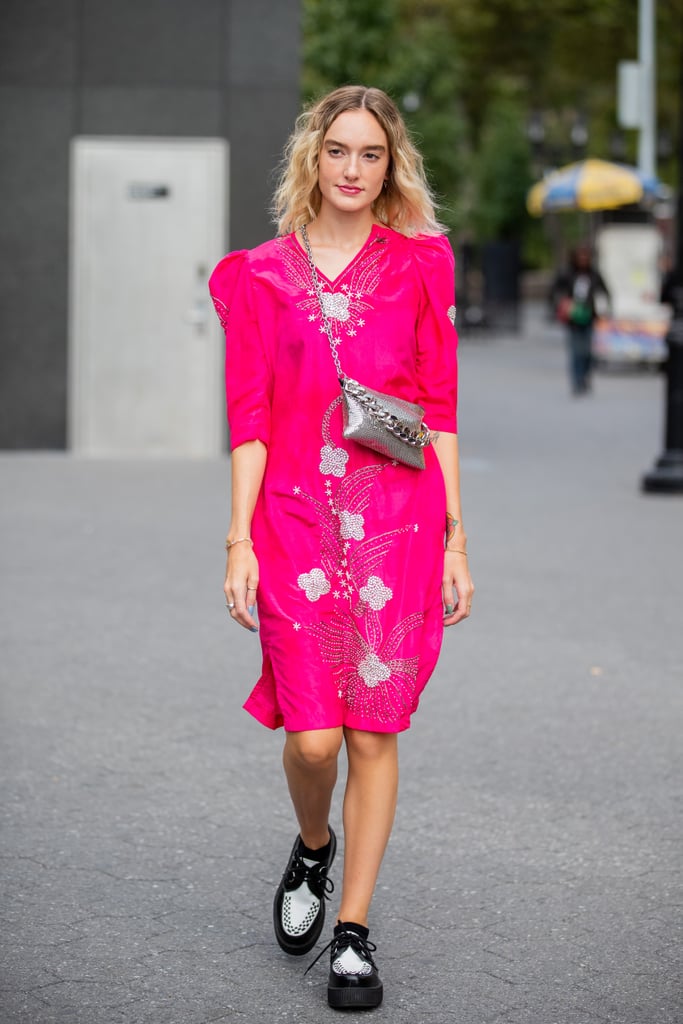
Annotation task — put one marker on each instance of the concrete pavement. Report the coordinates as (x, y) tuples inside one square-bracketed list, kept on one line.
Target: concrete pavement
[(534, 874)]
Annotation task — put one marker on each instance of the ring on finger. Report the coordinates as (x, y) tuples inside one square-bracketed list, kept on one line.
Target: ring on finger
[(230, 606)]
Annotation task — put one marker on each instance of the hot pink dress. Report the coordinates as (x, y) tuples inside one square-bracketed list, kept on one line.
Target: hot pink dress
[(349, 543)]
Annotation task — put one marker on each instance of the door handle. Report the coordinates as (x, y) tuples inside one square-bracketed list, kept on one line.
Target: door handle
[(198, 313)]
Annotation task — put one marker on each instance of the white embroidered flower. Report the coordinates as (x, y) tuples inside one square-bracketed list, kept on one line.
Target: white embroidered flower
[(315, 583), (333, 460), (376, 593), (373, 671), (336, 305), (351, 525)]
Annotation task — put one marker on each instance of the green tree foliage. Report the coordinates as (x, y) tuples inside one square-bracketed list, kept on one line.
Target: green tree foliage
[(425, 81), (502, 172), (347, 41)]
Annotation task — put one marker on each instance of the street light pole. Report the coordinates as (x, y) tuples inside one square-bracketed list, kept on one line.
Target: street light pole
[(646, 60), (667, 474)]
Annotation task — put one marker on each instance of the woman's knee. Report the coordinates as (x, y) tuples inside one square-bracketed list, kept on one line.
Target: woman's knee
[(370, 746), (315, 749)]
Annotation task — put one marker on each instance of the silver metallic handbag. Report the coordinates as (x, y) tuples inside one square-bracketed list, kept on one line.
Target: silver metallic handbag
[(388, 425)]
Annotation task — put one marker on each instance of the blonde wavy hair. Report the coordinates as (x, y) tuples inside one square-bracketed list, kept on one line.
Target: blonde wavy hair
[(406, 204)]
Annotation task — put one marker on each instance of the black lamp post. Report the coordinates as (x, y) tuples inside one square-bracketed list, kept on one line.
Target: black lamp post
[(666, 477)]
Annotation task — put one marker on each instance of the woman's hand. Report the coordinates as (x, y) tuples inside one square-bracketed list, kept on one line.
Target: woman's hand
[(241, 571), (458, 587), (241, 585)]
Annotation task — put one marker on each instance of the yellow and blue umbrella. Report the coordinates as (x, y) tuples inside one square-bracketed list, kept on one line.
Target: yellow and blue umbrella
[(590, 185)]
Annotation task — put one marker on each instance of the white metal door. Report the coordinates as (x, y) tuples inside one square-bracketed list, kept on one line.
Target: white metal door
[(148, 225)]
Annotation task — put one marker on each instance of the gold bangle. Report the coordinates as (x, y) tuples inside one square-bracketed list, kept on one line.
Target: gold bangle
[(240, 540), (457, 551)]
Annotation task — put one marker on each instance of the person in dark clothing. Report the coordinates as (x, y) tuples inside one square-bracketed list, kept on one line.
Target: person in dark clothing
[(672, 289), (574, 295)]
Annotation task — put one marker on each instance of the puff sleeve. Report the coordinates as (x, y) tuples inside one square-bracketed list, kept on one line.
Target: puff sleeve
[(248, 376), (437, 340)]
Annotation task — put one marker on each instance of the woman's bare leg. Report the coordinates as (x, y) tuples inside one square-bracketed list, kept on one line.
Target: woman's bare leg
[(369, 808), (310, 762)]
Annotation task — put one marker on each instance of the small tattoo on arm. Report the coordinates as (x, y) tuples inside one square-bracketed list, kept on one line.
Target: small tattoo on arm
[(451, 523)]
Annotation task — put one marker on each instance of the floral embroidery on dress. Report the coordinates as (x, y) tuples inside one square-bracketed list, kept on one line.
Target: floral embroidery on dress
[(373, 671), (370, 677), (352, 525), (372, 680), (345, 303), (333, 461), (376, 593), (336, 306), (314, 583), (222, 311)]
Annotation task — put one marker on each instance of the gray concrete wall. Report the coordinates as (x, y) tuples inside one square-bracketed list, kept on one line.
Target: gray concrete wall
[(227, 68)]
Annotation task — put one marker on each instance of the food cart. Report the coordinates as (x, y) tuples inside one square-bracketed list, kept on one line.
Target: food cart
[(633, 329)]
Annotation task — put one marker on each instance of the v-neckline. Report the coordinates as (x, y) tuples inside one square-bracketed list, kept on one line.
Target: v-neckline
[(333, 280)]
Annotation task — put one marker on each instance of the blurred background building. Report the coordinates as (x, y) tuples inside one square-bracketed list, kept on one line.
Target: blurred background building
[(125, 71)]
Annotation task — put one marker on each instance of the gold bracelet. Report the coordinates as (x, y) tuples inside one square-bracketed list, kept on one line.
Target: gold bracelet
[(239, 540), (457, 551)]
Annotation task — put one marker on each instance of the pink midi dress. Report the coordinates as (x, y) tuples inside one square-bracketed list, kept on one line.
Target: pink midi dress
[(349, 543)]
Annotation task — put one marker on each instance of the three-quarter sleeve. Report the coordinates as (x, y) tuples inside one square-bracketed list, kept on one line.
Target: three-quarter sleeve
[(248, 376), (437, 339)]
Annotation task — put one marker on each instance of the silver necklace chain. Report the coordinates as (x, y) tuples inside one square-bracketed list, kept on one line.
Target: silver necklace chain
[(334, 342), (415, 438)]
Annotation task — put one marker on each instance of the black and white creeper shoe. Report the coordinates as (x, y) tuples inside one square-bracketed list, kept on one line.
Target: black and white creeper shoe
[(354, 982), (299, 907)]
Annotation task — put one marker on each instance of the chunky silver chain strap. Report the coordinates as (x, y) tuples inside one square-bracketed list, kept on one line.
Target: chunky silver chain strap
[(374, 407), (417, 439)]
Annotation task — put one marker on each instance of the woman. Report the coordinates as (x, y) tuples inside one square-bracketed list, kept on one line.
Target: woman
[(342, 549)]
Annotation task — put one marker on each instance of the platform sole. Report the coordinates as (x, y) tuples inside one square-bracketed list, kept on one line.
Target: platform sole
[(355, 998)]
